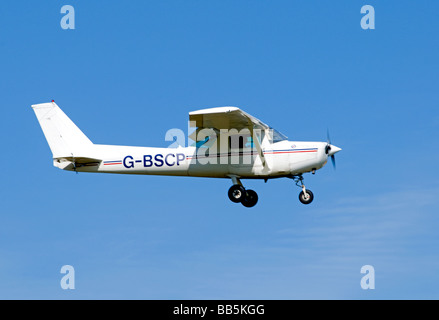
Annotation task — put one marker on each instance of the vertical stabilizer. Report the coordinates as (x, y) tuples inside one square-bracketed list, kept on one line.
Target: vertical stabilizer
[(64, 137)]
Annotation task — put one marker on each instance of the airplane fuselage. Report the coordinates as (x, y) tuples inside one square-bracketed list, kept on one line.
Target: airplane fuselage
[(283, 159)]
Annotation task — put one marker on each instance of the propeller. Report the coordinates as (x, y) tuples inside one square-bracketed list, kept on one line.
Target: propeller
[(329, 147)]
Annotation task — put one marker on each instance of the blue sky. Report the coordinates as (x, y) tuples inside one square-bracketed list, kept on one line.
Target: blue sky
[(132, 70)]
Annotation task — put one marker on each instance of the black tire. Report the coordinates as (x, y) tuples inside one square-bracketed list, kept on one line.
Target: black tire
[(236, 193), (306, 199), (250, 199)]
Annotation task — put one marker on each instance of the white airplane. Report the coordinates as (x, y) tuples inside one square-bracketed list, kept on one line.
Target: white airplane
[(230, 143)]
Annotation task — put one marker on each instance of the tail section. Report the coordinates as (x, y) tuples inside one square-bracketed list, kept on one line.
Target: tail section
[(65, 139)]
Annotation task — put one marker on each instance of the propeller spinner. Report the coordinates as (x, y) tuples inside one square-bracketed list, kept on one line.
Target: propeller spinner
[(331, 150)]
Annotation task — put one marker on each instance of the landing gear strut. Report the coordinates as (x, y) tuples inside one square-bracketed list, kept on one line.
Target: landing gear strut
[(238, 194), (305, 196)]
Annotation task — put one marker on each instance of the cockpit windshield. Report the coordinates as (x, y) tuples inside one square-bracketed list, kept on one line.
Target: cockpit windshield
[(277, 136)]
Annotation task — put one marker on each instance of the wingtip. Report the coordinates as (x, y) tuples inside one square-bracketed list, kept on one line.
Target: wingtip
[(43, 105)]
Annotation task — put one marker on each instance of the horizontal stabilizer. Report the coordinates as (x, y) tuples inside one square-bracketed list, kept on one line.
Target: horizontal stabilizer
[(72, 163)]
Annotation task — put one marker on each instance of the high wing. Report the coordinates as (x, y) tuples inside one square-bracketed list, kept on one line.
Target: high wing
[(225, 118), (229, 118)]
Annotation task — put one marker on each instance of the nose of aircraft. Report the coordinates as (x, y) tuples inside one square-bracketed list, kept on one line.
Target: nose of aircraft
[(333, 150)]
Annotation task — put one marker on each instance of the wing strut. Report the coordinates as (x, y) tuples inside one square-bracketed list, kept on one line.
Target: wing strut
[(257, 144)]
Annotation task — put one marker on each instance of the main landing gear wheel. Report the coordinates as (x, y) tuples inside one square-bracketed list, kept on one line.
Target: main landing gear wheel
[(307, 197), (250, 199), (236, 193)]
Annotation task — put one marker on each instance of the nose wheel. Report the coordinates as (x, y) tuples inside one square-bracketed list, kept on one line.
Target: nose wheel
[(305, 196), (238, 194)]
